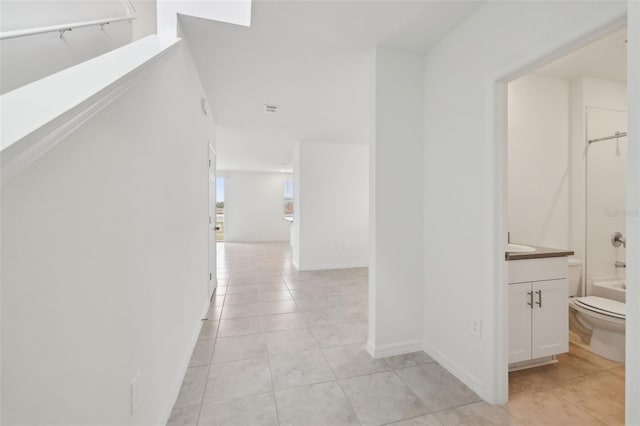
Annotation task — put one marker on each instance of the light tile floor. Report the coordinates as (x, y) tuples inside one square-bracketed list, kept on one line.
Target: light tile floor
[(282, 347)]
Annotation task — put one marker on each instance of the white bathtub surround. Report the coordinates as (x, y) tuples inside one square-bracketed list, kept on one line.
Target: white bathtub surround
[(599, 212)]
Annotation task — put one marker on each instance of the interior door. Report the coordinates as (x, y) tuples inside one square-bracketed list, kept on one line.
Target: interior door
[(212, 222), (519, 322), (550, 323)]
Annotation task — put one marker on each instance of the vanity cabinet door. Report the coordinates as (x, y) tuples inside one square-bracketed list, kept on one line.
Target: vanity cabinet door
[(519, 322), (550, 335)]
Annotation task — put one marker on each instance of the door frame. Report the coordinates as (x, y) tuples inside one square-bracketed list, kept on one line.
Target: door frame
[(497, 86), (212, 278)]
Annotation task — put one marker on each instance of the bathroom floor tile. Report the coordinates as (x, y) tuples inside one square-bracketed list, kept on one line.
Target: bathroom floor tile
[(382, 398), (593, 396), (545, 407), (321, 404), (586, 355), (541, 377)]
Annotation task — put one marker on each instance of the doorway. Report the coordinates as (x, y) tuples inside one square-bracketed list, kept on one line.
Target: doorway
[(564, 188), (219, 209)]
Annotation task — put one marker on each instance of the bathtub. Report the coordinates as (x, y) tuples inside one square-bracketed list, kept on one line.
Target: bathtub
[(609, 287)]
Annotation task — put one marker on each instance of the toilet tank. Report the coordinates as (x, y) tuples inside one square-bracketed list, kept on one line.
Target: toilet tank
[(575, 275)]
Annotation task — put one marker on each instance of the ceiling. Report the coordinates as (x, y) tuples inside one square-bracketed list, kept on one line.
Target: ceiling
[(605, 58), (313, 60)]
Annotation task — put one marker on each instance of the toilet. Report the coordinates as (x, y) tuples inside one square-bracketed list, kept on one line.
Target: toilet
[(604, 317)]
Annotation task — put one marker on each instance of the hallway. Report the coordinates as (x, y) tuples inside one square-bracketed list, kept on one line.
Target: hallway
[(287, 347)]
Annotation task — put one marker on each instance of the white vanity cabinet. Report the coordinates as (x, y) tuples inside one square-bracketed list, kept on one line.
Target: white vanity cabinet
[(538, 308)]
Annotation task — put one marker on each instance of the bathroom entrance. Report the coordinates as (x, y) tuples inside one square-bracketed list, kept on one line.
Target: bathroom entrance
[(566, 213)]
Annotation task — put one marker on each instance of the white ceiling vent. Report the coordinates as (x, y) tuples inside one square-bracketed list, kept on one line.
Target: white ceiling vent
[(270, 109)]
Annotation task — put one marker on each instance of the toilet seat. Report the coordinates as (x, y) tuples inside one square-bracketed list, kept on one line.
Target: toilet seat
[(600, 305)]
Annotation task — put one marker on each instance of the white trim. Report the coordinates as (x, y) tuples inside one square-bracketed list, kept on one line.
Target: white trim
[(329, 266), (25, 150), (461, 374), (173, 396), (295, 264), (392, 349)]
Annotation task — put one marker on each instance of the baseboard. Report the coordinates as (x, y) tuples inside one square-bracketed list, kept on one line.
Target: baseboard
[(461, 374), (382, 351), (173, 396), (331, 266)]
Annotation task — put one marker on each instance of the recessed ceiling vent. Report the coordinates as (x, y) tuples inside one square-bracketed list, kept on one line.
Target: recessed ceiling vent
[(270, 109)]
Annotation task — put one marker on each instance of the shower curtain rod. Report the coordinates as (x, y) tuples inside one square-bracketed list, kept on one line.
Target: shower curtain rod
[(606, 138)]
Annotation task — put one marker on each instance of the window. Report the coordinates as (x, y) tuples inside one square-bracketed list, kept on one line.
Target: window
[(288, 197)]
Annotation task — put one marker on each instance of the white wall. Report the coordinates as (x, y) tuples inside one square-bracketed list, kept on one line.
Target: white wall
[(633, 218), (146, 18), (396, 200), (104, 259), (27, 59), (331, 205), (254, 206), (538, 161), (463, 173)]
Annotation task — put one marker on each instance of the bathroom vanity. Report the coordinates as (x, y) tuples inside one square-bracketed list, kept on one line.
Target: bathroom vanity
[(538, 308)]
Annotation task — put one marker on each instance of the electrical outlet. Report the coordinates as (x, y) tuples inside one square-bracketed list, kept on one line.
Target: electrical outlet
[(476, 327), (135, 393)]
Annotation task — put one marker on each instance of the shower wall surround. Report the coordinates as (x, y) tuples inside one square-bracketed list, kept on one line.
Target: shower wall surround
[(605, 192)]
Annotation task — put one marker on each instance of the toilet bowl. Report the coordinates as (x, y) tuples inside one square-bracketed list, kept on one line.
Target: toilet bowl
[(604, 317), (606, 320)]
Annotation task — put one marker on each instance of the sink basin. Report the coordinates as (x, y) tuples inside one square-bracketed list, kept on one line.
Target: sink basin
[(519, 248)]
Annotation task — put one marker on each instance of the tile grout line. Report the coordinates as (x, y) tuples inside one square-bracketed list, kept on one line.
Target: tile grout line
[(209, 367), (336, 378)]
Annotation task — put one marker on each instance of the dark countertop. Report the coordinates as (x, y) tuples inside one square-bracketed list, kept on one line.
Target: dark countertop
[(539, 253)]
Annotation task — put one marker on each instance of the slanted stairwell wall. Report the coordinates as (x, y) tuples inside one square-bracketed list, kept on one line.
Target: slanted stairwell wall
[(104, 250)]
